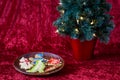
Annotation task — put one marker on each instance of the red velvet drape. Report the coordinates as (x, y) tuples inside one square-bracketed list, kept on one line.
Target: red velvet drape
[(26, 25)]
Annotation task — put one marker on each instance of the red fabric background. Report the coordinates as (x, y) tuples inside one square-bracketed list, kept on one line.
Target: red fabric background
[(26, 26)]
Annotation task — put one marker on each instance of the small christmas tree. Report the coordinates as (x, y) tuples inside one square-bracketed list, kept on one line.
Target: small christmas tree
[(85, 19)]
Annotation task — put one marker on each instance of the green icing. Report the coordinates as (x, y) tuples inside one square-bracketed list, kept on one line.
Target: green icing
[(39, 66)]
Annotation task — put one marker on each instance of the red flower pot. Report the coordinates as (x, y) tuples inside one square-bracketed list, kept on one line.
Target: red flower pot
[(83, 50)]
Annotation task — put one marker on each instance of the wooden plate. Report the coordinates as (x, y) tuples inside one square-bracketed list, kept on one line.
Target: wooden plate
[(46, 55)]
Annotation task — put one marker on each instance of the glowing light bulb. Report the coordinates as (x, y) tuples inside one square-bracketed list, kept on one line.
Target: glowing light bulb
[(84, 3), (81, 18), (62, 23), (94, 35), (60, 3), (62, 30), (76, 30), (62, 11), (56, 31), (93, 21), (77, 21)]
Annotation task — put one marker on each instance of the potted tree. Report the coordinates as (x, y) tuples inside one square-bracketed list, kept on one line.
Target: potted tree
[(84, 21)]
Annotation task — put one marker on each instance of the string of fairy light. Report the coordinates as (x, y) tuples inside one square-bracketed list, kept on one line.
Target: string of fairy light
[(85, 19), (81, 18)]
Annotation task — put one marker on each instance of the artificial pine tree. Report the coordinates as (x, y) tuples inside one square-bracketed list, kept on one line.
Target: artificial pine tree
[(85, 19)]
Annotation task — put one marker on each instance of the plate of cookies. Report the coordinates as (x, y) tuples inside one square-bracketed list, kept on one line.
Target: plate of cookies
[(39, 63)]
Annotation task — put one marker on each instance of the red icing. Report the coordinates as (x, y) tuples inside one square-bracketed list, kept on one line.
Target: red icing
[(54, 61)]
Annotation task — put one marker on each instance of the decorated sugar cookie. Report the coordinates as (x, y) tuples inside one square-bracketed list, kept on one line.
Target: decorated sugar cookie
[(39, 66), (25, 63), (53, 61)]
